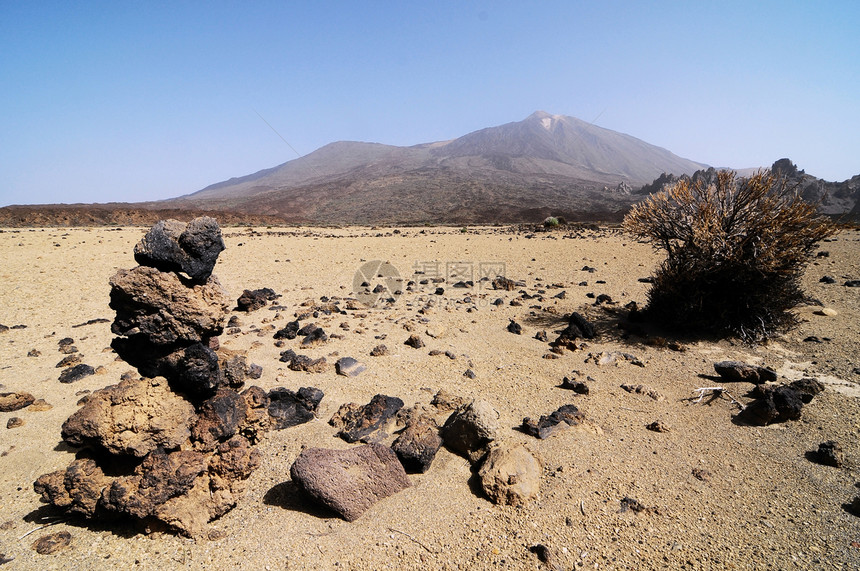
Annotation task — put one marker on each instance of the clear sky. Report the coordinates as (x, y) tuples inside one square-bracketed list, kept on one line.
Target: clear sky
[(131, 101)]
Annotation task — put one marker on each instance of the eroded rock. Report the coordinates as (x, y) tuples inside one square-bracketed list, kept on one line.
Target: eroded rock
[(740, 371), (416, 446), (10, 402), (288, 408), (510, 475), (471, 428), (367, 423), (173, 246)]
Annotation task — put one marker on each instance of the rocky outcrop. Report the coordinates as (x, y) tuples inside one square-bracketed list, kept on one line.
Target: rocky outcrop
[(177, 444)]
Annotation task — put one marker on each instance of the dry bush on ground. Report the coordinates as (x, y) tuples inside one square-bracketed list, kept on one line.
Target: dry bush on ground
[(736, 249)]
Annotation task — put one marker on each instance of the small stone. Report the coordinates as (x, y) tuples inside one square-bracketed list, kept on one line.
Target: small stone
[(288, 408), (542, 336), (435, 331), (852, 283), (39, 405), (10, 402), (545, 555), (827, 312), (510, 475), (827, 280), (471, 428), (290, 330), (414, 341), (69, 361), (657, 426), (349, 481), (470, 374), (15, 422), (368, 423), (575, 385), (700, 474), (739, 371), (643, 390), (379, 351), (417, 445), (349, 367), (252, 300), (48, 544), (515, 327), (34, 353), (544, 427), (503, 283)]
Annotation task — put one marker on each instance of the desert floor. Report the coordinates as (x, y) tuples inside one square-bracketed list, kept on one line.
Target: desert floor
[(722, 495)]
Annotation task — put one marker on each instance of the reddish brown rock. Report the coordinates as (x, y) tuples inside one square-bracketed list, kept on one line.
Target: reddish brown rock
[(349, 481), (10, 402)]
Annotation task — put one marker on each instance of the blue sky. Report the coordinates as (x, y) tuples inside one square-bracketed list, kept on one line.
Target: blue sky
[(130, 101)]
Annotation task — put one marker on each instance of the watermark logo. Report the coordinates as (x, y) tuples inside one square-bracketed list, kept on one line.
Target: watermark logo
[(377, 281)]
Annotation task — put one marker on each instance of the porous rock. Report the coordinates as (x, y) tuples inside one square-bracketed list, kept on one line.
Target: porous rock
[(776, 404), (52, 543), (510, 475), (10, 402), (471, 428), (254, 299), (368, 423), (349, 481), (76, 373), (133, 418), (165, 310), (829, 454), (173, 246)]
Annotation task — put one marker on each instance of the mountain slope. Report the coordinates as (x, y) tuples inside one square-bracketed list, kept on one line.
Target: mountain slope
[(517, 171)]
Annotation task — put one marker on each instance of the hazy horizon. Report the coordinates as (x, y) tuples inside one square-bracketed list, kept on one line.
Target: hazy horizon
[(110, 102)]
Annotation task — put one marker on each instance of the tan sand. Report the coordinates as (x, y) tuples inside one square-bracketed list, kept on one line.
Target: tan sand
[(760, 503)]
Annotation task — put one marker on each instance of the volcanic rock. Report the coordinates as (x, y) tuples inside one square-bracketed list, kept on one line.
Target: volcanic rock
[(739, 371), (69, 361), (349, 481), (503, 283), (807, 388), (471, 428), (417, 445), (252, 300), (52, 543), (78, 488), (414, 341), (288, 408), (515, 327), (133, 417), (14, 422), (368, 423), (15, 401), (575, 385), (173, 246), (76, 373), (379, 351), (776, 404), (510, 475), (566, 416), (829, 454), (349, 367), (643, 390), (164, 309)]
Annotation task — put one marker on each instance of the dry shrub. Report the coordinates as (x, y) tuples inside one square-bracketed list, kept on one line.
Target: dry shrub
[(736, 249)]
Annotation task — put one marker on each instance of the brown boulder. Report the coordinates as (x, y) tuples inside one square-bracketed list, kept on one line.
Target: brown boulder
[(349, 481), (510, 475)]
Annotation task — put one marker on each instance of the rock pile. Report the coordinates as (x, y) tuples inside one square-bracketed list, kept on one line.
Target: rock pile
[(176, 445)]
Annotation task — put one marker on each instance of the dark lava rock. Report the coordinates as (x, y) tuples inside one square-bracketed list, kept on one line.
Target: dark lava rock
[(367, 423), (807, 388), (657, 426), (414, 341), (349, 367), (314, 337), (829, 454), (3, 328), (349, 481), (417, 445), (827, 280), (545, 555), (174, 246), (742, 372), (219, 418), (304, 363), (69, 361), (503, 283), (290, 331), (15, 401), (577, 327), (515, 327), (852, 283), (252, 300), (575, 385), (777, 404), (66, 346), (288, 408), (469, 374), (471, 428), (14, 422), (546, 426), (235, 368), (602, 298), (541, 336), (76, 373), (379, 351), (194, 371)]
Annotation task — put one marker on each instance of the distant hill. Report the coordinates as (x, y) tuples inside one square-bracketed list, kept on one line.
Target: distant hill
[(522, 171)]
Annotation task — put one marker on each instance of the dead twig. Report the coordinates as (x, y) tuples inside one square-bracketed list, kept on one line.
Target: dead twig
[(47, 525), (412, 538), (716, 392)]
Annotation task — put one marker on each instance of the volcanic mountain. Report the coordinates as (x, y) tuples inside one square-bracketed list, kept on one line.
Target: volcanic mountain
[(526, 170)]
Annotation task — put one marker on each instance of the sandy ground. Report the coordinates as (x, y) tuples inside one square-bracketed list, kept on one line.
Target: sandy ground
[(760, 503)]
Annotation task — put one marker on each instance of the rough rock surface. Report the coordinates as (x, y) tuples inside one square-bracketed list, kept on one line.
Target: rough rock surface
[(173, 246), (349, 481), (133, 417), (288, 408), (368, 423), (349, 367), (471, 428), (775, 404), (740, 371), (829, 454), (254, 299), (164, 309), (76, 373), (510, 475), (417, 445), (15, 401)]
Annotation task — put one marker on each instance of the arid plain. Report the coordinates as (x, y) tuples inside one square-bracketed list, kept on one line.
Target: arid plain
[(718, 494)]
